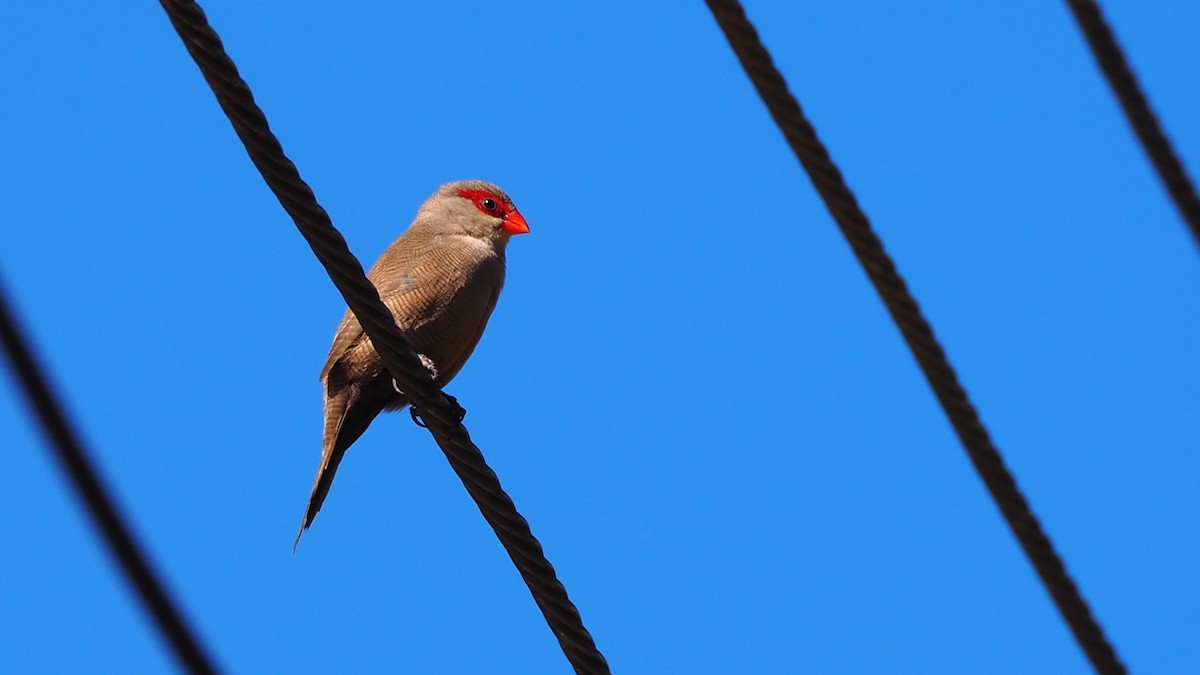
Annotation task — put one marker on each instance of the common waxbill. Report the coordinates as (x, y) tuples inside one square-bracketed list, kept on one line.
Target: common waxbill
[(440, 279)]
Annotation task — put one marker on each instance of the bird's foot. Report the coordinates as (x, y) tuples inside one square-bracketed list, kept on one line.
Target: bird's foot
[(416, 417), (459, 411), (429, 366)]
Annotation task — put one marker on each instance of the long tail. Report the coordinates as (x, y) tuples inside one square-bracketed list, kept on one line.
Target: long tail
[(347, 416)]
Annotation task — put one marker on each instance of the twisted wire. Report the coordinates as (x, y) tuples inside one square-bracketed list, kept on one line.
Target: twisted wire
[(917, 332), (397, 353), (69, 451), (1137, 108)]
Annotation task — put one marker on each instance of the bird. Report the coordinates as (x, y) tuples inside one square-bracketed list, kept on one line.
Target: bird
[(440, 279)]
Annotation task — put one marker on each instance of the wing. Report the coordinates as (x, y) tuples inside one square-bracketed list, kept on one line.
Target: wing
[(350, 331), (394, 277)]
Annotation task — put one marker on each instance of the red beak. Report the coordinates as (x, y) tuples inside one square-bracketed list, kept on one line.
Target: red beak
[(515, 223)]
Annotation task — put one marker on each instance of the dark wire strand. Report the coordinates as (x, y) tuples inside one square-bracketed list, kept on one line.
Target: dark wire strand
[(916, 330), (397, 353), (1137, 108), (68, 450)]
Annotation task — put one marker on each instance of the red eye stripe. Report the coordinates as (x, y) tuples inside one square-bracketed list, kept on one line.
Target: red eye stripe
[(477, 197)]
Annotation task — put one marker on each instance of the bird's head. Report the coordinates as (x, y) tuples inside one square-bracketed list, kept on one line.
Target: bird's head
[(475, 208)]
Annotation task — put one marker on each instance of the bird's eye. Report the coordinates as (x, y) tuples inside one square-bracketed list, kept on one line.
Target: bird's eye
[(489, 203)]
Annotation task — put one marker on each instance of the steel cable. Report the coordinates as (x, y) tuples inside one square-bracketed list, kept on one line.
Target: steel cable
[(917, 332), (1137, 108), (397, 353), (71, 455)]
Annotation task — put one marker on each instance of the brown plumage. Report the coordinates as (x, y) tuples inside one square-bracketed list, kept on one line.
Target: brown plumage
[(440, 280)]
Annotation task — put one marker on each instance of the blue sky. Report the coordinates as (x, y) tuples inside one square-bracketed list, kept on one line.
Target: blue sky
[(689, 387)]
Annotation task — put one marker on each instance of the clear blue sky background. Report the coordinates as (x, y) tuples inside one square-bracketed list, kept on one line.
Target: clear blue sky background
[(689, 387)]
